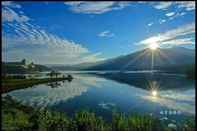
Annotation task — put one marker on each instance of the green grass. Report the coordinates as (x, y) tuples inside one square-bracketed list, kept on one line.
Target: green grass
[(190, 72), (19, 117), (13, 84)]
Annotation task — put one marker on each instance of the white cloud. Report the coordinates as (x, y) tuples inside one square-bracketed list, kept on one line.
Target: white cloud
[(181, 41), (6, 3), (73, 3), (30, 41), (170, 14), (9, 15), (44, 47), (172, 37), (180, 8), (106, 33), (178, 14), (162, 5), (10, 4), (150, 24), (181, 31), (182, 13), (162, 21), (95, 7), (121, 5), (187, 5), (91, 7), (92, 58)]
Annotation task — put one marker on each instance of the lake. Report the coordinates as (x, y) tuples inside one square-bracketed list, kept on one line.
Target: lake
[(104, 92)]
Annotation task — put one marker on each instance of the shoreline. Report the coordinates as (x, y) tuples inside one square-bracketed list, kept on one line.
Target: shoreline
[(8, 85)]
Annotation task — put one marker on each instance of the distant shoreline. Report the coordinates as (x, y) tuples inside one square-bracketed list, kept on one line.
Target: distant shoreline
[(13, 84)]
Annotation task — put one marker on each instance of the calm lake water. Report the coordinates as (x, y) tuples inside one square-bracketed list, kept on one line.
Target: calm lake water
[(127, 92)]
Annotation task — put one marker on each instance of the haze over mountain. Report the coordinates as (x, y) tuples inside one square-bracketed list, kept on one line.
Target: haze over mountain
[(141, 60)]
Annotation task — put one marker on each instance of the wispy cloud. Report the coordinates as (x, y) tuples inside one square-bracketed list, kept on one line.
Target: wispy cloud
[(10, 4), (150, 24), (31, 41), (182, 41), (162, 5), (9, 15), (162, 21), (106, 33), (187, 5), (170, 14), (92, 58), (95, 7), (177, 8), (180, 35)]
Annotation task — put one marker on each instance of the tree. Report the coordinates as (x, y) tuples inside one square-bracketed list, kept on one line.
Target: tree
[(56, 74), (69, 77), (51, 74), (23, 61)]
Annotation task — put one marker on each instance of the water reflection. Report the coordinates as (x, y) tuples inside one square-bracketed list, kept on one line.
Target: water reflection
[(57, 83), (52, 93), (106, 105), (176, 101), (54, 84), (178, 98), (148, 81), (103, 92)]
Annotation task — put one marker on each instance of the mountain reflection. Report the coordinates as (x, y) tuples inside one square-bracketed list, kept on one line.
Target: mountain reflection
[(174, 91), (105, 91), (145, 80)]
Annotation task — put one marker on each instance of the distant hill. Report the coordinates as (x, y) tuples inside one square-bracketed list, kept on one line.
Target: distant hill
[(82, 66), (22, 67), (167, 59)]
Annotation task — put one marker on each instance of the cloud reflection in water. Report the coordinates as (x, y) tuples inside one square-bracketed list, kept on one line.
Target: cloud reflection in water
[(43, 96)]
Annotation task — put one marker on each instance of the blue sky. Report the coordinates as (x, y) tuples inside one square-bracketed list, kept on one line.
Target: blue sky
[(77, 32)]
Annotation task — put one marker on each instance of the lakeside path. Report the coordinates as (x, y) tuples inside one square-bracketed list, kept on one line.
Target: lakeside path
[(14, 84)]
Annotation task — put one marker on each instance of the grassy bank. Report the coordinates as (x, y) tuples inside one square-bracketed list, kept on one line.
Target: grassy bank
[(19, 117), (13, 84)]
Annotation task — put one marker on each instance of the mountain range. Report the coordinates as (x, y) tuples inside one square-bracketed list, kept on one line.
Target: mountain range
[(162, 58)]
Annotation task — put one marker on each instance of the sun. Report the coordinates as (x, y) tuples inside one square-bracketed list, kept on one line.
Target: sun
[(153, 46), (154, 93)]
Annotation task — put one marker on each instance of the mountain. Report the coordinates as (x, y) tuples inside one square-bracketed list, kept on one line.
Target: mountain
[(81, 66), (142, 60)]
